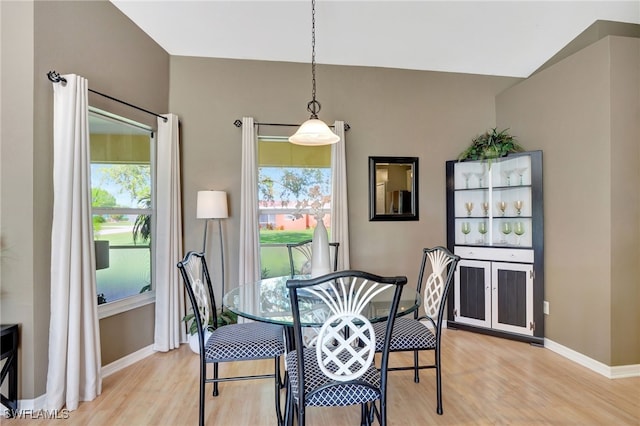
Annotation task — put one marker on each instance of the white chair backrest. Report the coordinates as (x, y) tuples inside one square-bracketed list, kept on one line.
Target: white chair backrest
[(436, 282), (194, 269), (346, 330)]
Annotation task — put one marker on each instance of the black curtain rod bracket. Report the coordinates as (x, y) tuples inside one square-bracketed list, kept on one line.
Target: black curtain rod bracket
[(238, 123), (57, 78)]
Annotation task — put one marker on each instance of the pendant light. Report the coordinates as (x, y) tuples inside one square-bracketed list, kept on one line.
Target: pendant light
[(314, 131)]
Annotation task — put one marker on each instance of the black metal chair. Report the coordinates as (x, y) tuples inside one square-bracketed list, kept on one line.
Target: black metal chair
[(424, 332), (233, 342), (300, 257), (339, 370)]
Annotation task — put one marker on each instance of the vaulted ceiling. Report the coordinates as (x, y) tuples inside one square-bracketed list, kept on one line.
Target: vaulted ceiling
[(505, 38)]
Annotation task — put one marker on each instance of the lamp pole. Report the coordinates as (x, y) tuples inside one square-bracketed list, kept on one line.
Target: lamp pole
[(213, 205), (221, 260)]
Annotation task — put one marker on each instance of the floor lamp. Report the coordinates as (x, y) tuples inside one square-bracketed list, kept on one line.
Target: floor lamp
[(213, 205)]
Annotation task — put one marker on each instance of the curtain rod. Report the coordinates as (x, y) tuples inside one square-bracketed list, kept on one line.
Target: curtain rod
[(238, 123), (57, 78)]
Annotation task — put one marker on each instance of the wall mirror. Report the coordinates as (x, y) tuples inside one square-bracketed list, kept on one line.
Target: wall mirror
[(393, 188)]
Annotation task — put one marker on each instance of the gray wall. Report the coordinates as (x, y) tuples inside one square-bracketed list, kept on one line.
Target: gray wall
[(584, 113), (97, 41), (391, 113)]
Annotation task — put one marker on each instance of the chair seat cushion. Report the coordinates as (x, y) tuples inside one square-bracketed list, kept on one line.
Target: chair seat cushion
[(341, 394), (408, 334), (248, 341)]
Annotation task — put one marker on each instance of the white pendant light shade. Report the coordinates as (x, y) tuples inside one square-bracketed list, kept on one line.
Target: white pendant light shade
[(314, 132), (212, 205)]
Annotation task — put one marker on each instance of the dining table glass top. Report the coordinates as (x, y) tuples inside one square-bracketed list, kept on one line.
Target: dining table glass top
[(267, 300)]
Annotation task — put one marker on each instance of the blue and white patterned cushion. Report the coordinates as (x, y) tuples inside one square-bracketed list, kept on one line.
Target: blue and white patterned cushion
[(408, 334), (244, 342), (342, 394)]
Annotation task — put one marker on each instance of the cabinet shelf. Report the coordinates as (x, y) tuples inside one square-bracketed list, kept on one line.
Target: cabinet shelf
[(495, 188), (493, 217), (499, 283)]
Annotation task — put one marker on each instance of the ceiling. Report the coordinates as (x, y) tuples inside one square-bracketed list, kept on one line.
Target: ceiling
[(505, 38)]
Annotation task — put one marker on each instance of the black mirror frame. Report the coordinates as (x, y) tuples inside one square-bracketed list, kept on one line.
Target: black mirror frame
[(373, 216)]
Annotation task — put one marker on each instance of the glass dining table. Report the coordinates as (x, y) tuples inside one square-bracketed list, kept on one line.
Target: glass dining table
[(267, 300)]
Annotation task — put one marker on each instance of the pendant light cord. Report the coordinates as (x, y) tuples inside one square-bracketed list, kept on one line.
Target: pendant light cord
[(314, 106)]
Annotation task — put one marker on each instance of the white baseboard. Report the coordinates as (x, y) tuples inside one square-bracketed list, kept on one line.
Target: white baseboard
[(126, 361), (616, 372), (31, 405), (36, 404)]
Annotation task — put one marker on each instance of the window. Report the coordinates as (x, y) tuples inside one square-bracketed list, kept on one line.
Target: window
[(122, 207), (293, 181)]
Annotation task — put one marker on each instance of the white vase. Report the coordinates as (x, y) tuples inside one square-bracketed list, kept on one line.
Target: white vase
[(194, 343), (320, 263)]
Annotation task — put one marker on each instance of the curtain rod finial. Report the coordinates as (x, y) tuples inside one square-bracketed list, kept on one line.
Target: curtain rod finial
[(55, 77)]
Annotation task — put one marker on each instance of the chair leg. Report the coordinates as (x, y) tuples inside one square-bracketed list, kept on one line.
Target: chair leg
[(438, 382), (416, 376), (277, 391), (289, 407), (301, 413), (203, 374), (215, 376)]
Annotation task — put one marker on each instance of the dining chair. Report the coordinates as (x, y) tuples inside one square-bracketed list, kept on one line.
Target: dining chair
[(300, 257), (424, 332), (340, 370), (227, 343)]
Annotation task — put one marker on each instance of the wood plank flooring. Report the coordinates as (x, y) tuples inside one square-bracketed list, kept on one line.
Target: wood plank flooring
[(486, 381)]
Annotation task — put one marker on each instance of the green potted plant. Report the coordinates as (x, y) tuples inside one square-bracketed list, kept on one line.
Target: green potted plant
[(489, 145)]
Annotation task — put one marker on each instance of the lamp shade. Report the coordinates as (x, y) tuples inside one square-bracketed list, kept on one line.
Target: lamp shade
[(212, 205), (314, 132)]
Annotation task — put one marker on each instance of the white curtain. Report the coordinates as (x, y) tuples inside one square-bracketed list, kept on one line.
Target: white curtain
[(74, 337), (169, 331), (249, 256), (339, 206)]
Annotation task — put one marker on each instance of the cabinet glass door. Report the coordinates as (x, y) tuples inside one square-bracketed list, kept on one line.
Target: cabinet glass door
[(493, 202)]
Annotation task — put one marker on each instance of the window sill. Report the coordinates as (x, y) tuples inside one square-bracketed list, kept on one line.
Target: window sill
[(124, 305)]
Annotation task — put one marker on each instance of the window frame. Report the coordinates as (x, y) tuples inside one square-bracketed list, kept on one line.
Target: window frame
[(126, 304), (275, 211)]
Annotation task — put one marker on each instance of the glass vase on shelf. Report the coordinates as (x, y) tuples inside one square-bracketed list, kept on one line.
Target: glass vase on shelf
[(518, 206), (466, 229), (502, 206), (469, 207), (518, 229), (466, 176), (482, 229), (520, 172), (485, 208), (505, 228)]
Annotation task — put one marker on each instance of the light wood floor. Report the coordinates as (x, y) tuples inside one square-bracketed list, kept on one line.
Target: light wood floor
[(486, 381)]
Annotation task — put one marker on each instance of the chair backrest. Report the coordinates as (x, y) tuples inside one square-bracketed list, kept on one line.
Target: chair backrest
[(436, 274), (345, 346), (300, 257), (197, 282)]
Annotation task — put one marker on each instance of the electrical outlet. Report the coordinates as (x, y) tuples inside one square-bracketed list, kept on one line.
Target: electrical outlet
[(545, 307)]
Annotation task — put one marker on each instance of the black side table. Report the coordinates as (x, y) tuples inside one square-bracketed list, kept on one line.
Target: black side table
[(9, 348)]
